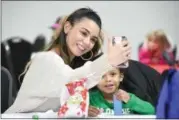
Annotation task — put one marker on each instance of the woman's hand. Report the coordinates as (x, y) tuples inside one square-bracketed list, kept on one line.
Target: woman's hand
[(93, 111), (118, 53), (122, 95)]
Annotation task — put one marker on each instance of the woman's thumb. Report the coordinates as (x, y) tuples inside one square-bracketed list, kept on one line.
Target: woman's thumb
[(110, 42)]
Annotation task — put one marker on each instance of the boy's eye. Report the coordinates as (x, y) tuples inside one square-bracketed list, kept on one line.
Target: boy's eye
[(103, 76), (113, 74)]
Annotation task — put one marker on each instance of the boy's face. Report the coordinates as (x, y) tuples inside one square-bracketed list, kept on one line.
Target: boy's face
[(110, 81)]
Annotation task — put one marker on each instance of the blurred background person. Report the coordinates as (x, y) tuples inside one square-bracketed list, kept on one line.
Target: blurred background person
[(151, 51), (39, 44), (56, 25), (40, 41)]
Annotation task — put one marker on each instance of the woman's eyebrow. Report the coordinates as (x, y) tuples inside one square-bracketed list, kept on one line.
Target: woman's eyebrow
[(86, 29), (89, 32)]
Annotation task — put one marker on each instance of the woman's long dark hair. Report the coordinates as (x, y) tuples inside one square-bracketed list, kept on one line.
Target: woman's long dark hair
[(60, 38)]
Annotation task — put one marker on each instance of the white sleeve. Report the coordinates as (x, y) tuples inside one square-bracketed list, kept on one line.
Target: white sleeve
[(92, 70)]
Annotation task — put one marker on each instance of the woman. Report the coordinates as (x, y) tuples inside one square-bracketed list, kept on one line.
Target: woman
[(50, 70)]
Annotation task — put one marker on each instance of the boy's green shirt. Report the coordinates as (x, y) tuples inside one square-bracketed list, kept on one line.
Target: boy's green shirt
[(134, 106)]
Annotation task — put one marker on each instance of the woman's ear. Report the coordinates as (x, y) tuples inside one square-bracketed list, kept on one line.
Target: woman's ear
[(67, 27)]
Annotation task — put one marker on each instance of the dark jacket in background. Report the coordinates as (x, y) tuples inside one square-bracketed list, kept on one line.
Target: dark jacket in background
[(143, 81)]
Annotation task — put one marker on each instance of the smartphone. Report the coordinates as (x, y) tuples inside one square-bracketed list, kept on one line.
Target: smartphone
[(117, 40)]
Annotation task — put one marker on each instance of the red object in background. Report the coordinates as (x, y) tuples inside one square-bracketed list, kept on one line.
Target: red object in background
[(161, 68)]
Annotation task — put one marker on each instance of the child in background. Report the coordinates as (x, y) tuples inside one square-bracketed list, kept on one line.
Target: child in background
[(57, 23), (101, 99), (56, 26), (153, 48)]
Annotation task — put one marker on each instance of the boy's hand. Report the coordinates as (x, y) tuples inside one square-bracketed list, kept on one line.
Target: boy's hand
[(122, 95), (93, 111)]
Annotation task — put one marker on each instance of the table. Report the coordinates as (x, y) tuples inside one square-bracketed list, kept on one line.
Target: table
[(53, 115), (28, 116), (160, 68)]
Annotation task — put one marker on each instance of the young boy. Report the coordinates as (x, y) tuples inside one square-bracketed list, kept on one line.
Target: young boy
[(101, 99)]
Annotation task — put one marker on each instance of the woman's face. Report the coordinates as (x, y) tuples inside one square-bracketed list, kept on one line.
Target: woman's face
[(81, 37)]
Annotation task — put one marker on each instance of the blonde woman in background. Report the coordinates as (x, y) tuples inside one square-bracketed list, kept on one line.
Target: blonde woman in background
[(151, 51), (50, 70), (56, 25)]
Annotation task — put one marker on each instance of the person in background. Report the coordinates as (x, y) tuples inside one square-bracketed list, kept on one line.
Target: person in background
[(54, 27), (50, 70), (39, 44), (151, 52), (101, 98)]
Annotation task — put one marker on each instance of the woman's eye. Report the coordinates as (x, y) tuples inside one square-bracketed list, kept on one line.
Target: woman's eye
[(93, 40), (84, 33)]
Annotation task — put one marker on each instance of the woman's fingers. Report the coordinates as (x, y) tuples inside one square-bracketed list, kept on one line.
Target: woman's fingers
[(125, 43), (118, 53), (127, 52), (110, 43)]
